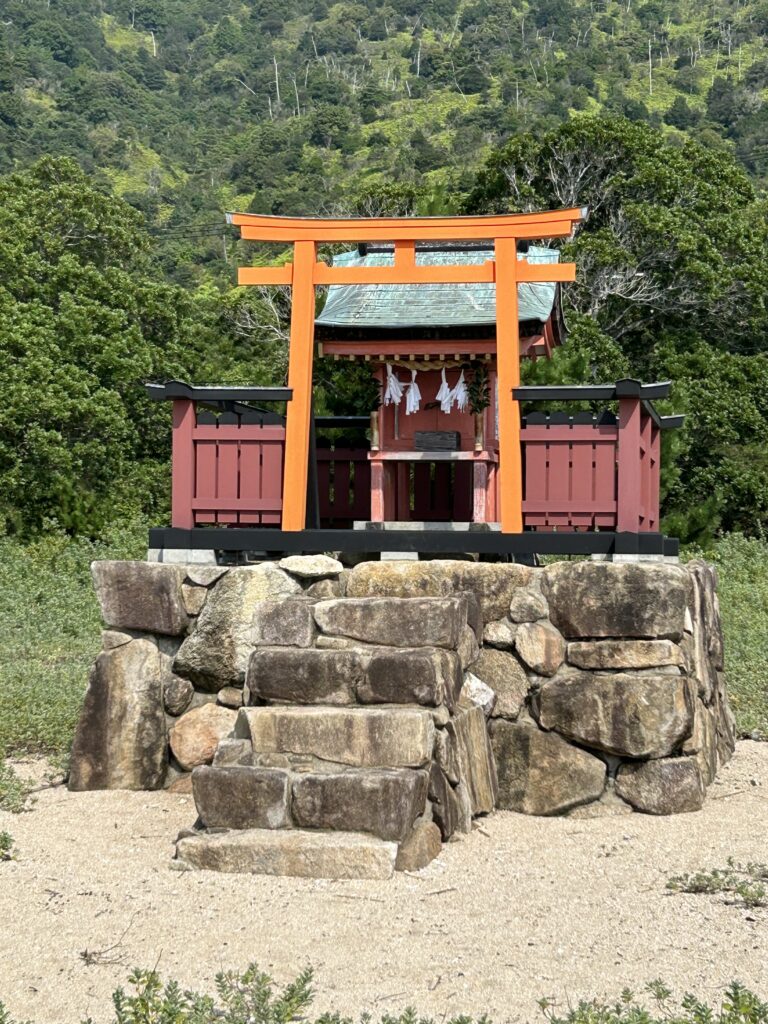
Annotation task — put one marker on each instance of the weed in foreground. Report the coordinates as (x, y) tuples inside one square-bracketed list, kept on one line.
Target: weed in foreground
[(6, 853), (739, 883), (250, 998)]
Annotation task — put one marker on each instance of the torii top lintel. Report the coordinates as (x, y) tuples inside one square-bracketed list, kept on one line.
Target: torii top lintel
[(306, 272)]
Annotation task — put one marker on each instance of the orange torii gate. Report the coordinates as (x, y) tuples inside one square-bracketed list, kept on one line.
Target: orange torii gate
[(506, 271)]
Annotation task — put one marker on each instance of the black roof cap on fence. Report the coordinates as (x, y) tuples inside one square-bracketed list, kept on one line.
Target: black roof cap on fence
[(625, 388), (211, 393)]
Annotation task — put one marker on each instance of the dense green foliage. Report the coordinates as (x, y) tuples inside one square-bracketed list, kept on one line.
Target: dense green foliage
[(249, 998)]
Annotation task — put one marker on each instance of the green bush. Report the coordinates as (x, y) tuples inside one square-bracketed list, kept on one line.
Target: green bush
[(249, 998)]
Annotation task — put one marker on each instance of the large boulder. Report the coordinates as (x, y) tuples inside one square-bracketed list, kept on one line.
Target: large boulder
[(609, 655), (195, 736), (216, 653), (607, 599), (311, 567), (423, 675), (505, 675), (702, 743), (540, 646), (540, 773), (304, 854), (294, 676), (451, 807), (630, 715), (385, 802), (358, 737), (121, 740), (177, 694), (145, 596), (393, 622), (667, 786), (493, 584)]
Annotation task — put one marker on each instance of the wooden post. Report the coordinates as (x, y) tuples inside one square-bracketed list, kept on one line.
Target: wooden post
[(300, 381), (508, 370), (629, 485), (183, 464)]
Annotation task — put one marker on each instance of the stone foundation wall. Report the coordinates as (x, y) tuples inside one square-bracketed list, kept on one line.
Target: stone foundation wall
[(341, 721)]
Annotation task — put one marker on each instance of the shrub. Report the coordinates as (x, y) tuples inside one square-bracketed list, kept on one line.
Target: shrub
[(248, 998)]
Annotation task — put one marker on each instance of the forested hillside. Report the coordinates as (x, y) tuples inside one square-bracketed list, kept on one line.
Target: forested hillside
[(120, 269), (191, 107)]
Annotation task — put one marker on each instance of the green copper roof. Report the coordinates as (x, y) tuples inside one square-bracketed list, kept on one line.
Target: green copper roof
[(430, 305)]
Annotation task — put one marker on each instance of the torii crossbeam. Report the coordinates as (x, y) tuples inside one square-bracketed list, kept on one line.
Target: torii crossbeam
[(306, 272)]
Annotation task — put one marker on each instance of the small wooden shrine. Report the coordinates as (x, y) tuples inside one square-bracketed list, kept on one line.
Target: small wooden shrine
[(443, 309), (432, 348)]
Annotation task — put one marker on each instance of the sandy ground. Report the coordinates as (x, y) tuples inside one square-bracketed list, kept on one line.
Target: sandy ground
[(522, 908)]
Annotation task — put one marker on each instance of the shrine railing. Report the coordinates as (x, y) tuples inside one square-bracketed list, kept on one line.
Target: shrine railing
[(228, 459), (589, 471), (593, 471)]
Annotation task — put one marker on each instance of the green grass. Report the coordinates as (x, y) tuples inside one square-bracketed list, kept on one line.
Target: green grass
[(742, 565), (50, 634)]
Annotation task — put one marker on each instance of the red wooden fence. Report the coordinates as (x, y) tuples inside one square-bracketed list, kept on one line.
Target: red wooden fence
[(580, 472), (584, 472), (343, 485), (227, 469)]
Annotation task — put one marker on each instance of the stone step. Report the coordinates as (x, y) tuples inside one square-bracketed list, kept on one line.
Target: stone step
[(303, 854), (394, 622), (357, 737), (429, 676)]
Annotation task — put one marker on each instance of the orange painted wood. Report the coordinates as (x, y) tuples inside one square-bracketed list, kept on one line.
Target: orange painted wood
[(377, 492), (545, 272), (405, 254), (265, 275), (550, 224), (508, 370), (407, 273), (300, 381), (183, 462)]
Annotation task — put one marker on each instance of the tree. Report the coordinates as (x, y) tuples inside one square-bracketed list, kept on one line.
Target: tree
[(670, 274), (83, 323)]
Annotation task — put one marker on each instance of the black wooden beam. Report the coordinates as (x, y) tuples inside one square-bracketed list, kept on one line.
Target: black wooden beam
[(205, 393), (436, 542)]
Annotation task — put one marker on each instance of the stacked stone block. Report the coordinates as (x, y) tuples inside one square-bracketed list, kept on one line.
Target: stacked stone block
[(353, 724), (337, 722)]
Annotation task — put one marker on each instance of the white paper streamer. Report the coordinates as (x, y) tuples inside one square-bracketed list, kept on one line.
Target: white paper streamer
[(393, 392), (445, 395), (459, 394), (412, 395)]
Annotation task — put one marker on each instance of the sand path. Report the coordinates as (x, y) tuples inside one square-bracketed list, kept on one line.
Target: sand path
[(522, 908)]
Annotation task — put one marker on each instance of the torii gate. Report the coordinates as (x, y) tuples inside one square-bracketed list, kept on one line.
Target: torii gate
[(306, 272)]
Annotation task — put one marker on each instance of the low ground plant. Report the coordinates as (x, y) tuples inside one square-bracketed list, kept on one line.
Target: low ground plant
[(251, 998), (6, 846), (746, 884)]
